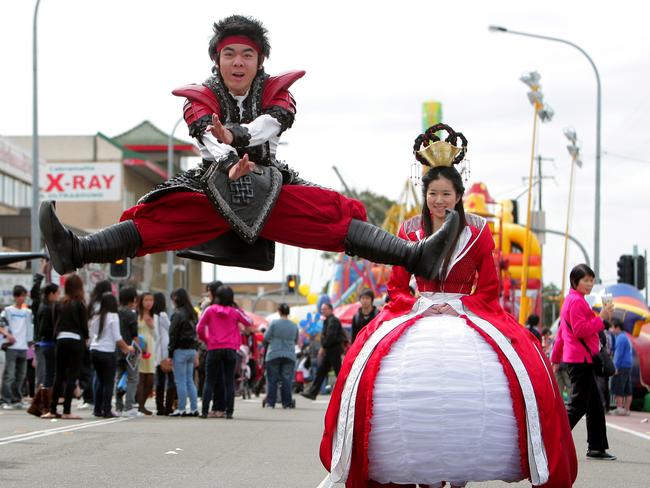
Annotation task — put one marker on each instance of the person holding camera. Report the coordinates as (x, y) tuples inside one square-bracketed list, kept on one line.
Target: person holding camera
[(576, 345)]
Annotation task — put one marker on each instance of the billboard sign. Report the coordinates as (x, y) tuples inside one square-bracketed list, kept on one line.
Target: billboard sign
[(82, 182)]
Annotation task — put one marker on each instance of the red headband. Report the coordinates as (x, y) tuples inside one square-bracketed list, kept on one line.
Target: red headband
[(247, 41)]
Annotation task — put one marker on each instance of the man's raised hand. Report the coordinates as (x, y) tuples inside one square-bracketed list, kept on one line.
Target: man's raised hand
[(242, 168), (219, 131)]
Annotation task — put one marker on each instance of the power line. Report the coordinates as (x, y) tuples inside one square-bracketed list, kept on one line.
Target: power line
[(626, 158)]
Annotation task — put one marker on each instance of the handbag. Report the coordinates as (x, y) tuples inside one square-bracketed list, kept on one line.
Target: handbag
[(601, 361), (166, 365)]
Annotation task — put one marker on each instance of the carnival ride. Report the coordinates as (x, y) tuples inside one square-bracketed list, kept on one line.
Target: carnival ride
[(630, 308)]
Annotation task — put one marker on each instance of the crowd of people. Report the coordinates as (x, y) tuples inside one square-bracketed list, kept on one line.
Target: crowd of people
[(131, 350)]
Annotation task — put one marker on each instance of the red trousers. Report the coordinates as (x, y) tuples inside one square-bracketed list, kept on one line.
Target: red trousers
[(303, 216)]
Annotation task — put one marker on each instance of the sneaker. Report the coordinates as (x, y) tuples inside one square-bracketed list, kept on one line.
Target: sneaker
[(308, 396), (145, 412), (620, 411), (7, 406), (84, 406), (176, 413), (18, 405), (133, 413), (600, 455)]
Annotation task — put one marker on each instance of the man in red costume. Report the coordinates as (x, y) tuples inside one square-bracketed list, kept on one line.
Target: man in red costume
[(240, 200)]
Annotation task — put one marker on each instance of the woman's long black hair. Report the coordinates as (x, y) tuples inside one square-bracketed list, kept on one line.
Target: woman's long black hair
[(107, 304), (448, 173), (182, 301), (225, 296), (159, 303), (96, 295)]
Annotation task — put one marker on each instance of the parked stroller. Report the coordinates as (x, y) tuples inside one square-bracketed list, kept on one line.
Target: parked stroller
[(243, 372)]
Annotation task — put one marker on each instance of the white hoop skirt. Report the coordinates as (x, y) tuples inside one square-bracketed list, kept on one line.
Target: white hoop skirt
[(442, 409)]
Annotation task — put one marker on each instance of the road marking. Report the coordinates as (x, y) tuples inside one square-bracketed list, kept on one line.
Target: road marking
[(57, 430), (629, 431)]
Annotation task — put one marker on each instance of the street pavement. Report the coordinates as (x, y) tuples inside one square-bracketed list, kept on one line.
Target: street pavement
[(260, 447)]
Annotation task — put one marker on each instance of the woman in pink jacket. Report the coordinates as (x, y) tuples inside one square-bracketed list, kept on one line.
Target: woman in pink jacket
[(220, 328), (577, 341)]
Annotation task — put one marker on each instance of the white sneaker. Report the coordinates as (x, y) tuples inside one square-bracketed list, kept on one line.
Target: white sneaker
[(620, 411), (18, 405), (133, 413), (7, 406), (83, 406)]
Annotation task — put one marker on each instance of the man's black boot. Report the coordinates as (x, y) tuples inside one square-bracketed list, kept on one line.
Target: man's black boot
[(423, 258), (69, 252)]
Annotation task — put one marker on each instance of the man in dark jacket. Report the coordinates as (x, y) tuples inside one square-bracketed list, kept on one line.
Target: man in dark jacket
[(365, 314), (129, 332), (332, 339)]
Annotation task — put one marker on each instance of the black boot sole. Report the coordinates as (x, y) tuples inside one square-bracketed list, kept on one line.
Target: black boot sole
[(58, 239)]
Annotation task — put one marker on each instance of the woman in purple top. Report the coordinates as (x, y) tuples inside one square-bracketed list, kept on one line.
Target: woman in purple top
[(577, 341), (220, 328)]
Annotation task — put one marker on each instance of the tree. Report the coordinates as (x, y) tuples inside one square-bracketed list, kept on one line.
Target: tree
[(551, 311), (376, 205)]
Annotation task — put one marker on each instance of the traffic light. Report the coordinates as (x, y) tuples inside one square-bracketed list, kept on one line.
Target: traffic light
[(120, 269), (292, 283), (625, 266), (640, 272)]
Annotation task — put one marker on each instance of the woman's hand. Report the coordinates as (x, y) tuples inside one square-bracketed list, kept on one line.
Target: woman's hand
[(196, 360), (441, 309), (219, 131), (606, 311), (149, 321), (555, 367)]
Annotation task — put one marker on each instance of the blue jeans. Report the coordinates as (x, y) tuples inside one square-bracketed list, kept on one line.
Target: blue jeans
[(184, 377), (220, 378), (279, 369), (14, 375)]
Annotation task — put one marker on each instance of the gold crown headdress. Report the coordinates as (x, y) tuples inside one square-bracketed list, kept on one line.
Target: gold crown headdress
[(431, 151)]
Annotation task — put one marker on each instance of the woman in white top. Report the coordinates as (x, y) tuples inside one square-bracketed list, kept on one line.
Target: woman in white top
[(104, 336), (165, 385)]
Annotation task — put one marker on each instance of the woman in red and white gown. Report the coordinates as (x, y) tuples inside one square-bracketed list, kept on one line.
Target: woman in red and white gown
[(447, 387)]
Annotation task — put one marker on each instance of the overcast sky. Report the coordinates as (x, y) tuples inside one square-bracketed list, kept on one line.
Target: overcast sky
[(106, 66)]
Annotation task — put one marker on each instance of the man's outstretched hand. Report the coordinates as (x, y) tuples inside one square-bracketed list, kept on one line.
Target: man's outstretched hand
[(219, 131), (242, 168)]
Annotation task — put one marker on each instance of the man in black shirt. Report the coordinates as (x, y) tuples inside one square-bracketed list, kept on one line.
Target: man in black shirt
[(332, 339), (129, 332), (365, 314)]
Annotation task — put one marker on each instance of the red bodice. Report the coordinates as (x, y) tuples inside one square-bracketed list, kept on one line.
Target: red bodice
[(464, 268)]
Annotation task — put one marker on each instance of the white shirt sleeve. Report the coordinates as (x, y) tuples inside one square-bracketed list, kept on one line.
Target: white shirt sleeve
[(262, 129), (212, 149), (114, 325)]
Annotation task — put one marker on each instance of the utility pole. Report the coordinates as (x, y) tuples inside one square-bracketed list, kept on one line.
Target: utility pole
[(540, 158)]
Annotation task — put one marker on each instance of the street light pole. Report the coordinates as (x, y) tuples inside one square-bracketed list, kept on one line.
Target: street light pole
[(494, 28), (545, 113), (170, 254), (35, 229), (574, 151)]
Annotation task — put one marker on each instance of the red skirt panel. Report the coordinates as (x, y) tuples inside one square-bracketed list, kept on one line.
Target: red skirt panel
[(303, 216)]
